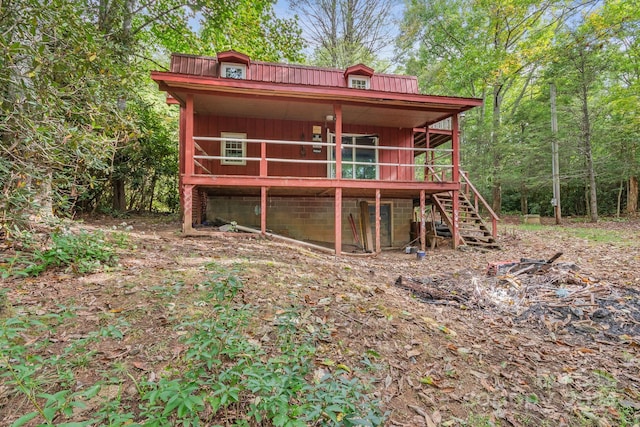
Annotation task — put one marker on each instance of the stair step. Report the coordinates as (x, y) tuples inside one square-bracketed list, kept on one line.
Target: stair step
[(484, 245), (472, 228)]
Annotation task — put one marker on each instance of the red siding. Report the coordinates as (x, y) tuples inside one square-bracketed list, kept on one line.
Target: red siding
[(208, 125)]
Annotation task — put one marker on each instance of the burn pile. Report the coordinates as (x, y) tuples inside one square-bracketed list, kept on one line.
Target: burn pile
[(544, 293)]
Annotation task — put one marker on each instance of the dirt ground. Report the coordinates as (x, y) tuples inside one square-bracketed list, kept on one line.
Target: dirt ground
[(453, 346)]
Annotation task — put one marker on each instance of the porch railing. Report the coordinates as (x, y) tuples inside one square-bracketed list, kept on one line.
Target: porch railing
[(476, 199), (438, 159), (442, 124)]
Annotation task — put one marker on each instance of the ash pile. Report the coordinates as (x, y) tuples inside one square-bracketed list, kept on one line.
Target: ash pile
[(548, 294)]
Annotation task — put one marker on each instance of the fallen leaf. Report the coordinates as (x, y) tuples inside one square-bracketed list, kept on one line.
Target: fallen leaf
[(343, 367), (141, 365), (413, 353), (429, 380), (565, 379)]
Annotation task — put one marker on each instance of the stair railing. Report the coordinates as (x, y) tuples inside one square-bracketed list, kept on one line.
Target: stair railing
[(476, 198)]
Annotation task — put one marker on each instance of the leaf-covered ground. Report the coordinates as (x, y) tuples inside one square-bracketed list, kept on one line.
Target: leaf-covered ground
[(559, 348)]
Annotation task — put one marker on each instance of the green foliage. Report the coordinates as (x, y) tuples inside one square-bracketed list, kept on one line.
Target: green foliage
[(507, 53), (81, 253), (224, 374), (226, 371), (27, 372), (78, 126)]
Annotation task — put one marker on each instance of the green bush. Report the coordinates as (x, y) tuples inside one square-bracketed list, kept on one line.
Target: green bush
[(81, 253)]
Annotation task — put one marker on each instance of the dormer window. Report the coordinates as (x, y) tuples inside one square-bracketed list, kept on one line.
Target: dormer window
[(359, 82), (233, 71), (358, 76)]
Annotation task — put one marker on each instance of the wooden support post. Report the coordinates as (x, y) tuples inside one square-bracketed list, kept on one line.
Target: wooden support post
[(181, 144), (455, 233), (455, 149), (455, 195), (263, 211), (188, 136), (338, 157), (187, 212), (423, 225), (263, 159), (428, 156), (337, 222), (378, 243)]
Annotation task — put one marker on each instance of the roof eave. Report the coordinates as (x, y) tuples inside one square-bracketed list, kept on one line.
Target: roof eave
[(189, 82)]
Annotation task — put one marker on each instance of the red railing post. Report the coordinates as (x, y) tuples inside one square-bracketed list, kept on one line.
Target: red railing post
[(263, 159), (378, 244), (189, 150), (423, 222), (338, 135), (337, 222)]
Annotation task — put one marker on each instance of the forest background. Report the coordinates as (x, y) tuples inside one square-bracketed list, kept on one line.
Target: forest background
[(84, 129)]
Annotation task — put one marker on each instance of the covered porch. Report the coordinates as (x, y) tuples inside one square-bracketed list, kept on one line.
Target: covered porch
[(266, 140)]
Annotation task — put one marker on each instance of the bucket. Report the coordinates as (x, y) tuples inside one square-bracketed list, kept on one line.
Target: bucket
[(407, 250), (420, 255)]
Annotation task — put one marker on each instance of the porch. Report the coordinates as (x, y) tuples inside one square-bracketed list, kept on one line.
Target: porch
[(256, 136), (283, 184)]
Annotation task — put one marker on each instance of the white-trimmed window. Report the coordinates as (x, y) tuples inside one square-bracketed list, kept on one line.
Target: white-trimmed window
[(359, 82), (234, 149), (231, 70), (359, 157)]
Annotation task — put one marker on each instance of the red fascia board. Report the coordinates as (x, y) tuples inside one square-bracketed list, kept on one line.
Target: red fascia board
[(287, 182), (172, 101), (212, 84), (443, 108)]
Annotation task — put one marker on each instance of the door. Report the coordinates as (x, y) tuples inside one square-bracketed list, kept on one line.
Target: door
[(385, 223)]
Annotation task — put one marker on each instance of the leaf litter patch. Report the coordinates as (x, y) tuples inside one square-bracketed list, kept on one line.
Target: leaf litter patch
[(555, 297)]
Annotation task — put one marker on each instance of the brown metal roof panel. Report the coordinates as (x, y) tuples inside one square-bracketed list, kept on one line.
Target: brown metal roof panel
[(403, 85), (292, 74), (189, 66), (381, 83), (209, 68), (414, 85), (197, 65), (297, 75)]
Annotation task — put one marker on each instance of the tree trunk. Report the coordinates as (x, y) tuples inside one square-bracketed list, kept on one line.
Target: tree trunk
[(632, 196), (152, 192), (119, 195), (496, 191), (588, 152), (587, 202), (43, 197), (524, 200), (619, 204)]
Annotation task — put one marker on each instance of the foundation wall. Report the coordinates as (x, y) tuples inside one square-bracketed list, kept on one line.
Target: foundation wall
[(309, 218)]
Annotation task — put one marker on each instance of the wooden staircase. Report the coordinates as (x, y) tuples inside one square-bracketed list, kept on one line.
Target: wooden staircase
[(473, 229)]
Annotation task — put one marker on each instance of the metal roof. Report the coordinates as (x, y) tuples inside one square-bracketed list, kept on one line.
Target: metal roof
[(298, 75)]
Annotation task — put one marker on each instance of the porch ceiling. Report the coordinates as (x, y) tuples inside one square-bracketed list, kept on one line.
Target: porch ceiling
[(286, 102), (297, 109)]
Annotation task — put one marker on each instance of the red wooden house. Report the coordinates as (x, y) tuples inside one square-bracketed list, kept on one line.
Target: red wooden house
[(297, 150)]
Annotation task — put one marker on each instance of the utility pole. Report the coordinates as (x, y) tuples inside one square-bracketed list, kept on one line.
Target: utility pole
[(555, 162)]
